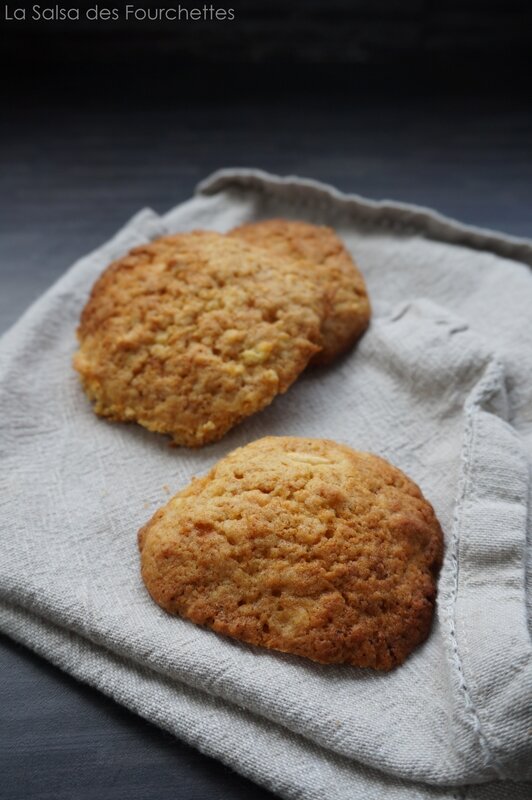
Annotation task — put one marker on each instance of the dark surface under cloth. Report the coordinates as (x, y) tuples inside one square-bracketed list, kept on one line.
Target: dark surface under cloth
[(74, 165)]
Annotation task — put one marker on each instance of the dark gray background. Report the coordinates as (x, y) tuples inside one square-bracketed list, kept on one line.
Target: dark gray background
[(388, 100), (296, 31)]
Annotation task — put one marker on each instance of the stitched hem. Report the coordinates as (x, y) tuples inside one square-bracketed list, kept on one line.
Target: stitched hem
[(380, 214), (482, 391)]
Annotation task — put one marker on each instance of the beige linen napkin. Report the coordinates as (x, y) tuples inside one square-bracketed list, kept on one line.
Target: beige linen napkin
[(441, 385)]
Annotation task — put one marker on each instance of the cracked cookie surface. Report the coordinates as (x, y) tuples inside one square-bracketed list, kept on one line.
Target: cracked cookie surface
[(300, 545), (191, 333), (348, 310)]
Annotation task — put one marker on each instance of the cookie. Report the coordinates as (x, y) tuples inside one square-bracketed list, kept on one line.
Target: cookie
[(191, 333), (348, 311), (300, 545)]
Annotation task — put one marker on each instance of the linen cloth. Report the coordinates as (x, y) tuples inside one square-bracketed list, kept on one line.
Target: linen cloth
[(441, 385)]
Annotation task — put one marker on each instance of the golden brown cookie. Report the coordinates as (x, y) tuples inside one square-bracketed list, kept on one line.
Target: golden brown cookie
[(303, 546), (191, 333), (347, 311)]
